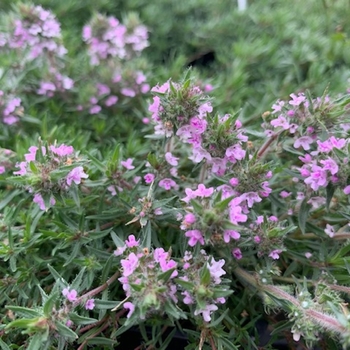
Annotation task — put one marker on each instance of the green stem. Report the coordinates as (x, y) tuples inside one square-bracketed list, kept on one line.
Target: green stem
[(203, 173)]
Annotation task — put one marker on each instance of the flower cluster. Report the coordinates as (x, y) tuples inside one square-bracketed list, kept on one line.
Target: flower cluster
[(153, 282), (37, 31), (54, 84), (108, 38), (10, 108), (201, 285), (147, 279), (49, 170), (5, 160), (183, 109), (123, 84)]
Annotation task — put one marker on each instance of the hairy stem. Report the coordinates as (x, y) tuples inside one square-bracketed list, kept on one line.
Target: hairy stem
[(326, 321), (97, 290)]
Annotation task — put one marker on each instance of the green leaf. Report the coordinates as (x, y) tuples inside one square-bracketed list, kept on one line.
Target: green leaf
[(166, 275), (222, 205), (99, 165), (36, 342), (59, 279), (103, 341), (75, 251), (303, 214), (3, 345), (117, 241), (185, 284), (204, 275), (81, 320), (49, 304), (217, 322), (23, 311), (65, 331), (106, 304), (8, 198), (330, 189)]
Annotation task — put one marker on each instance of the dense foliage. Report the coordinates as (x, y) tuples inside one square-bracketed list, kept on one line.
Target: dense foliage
[(137, 193)]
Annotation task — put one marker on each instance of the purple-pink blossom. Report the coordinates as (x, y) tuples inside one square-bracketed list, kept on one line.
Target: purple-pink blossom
[(127, 164), (131, 307), (71, 295), (275, 254), (195, 236), (237, 254), (132, 242), (149, 178), (202, 191), (75, 175), (167, 184), (171, 159), (228, 234), (329, 230), (38, 199), (215, 269), (206, 312), (129, 264), (62, 150), (90, 304)]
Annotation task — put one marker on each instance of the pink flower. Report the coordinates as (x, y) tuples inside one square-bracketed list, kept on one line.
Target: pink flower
[(171, 159), (189, 219), (131, 242), (285, 194), (198, 125), (62, 150), (347, 190), (234, 182), (95, 109), (111, 100), (235, 214), (317, 178), (277, 107), (304, 141), (194, 236), (275, 254), (128, 92), (76, 175), (149, 178), (202, 191), (167, 184), (206, 312), (235, 153), (38, 199), (215, 269), (22, 170), (130, 264), (127, 164), (330, 165), (2, 169), (280, 121), (130, 307), (251, 198), (228, 234), (90, 304), (30, 157), (237, 254), (329, 230), (71, 295), (190, 195), (297, 100), (119, 251)]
